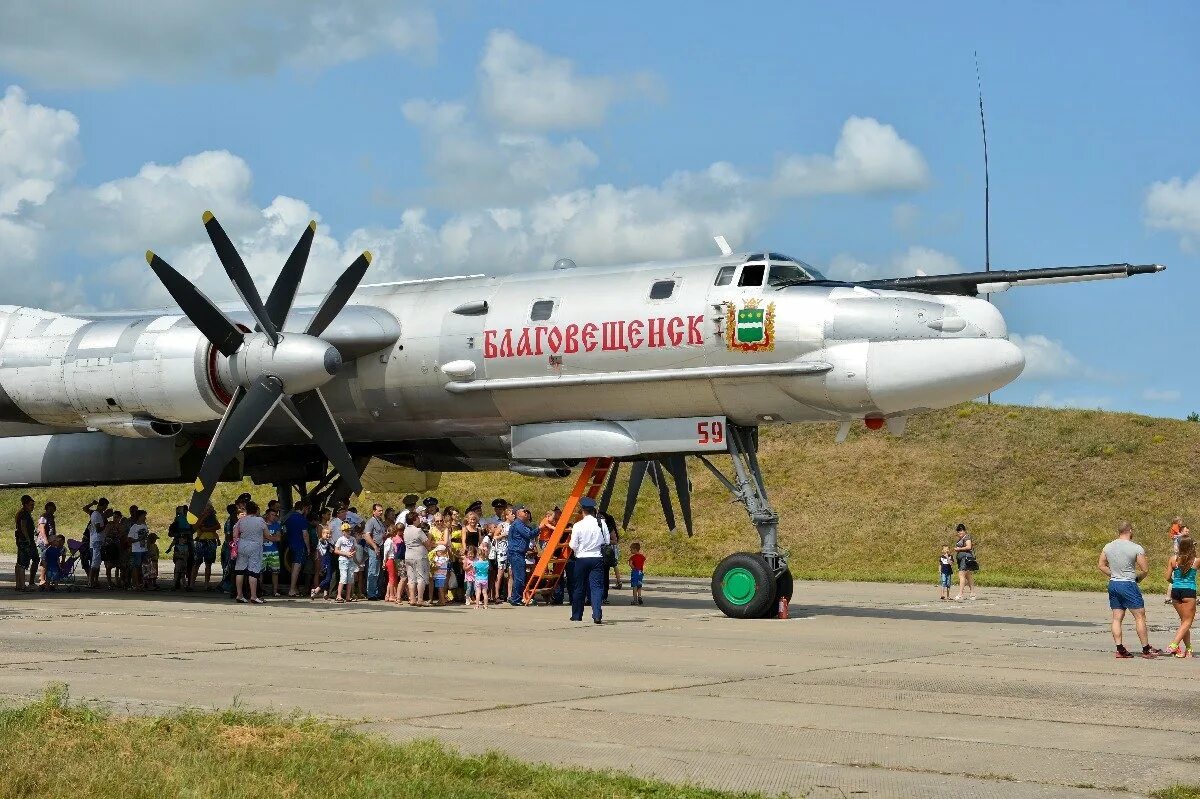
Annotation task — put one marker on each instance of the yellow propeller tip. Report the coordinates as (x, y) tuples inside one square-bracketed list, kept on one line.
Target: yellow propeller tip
[(192, 518), (150, 257), (207, 216), (313, 226), (199, 485), (367, 255)]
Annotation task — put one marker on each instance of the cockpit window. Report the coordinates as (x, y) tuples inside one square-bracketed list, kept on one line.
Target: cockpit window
[(786, 273), (752, 275), (662, 289), (725, 276)]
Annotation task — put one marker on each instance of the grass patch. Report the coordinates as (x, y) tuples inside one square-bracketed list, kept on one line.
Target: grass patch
[(1177, 792), (1041, 489), (235, 754)]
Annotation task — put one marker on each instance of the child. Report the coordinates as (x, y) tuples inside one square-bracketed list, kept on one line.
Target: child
[(344, 549), (481, 565), (324, 565), (270, 551), (467, 564), (360, 562), (946, 565), (441, 569), (637, 570), (52, 560), (181, 532), (393, 561), (150, 563)]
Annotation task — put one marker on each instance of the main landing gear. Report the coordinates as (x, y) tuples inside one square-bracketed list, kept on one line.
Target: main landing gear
[(746, 585)]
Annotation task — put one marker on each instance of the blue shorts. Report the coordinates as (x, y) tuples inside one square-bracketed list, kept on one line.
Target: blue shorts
[(206, 551), (135, 558), (439, 581), (1125, 595), (635, 578), (945, 580)]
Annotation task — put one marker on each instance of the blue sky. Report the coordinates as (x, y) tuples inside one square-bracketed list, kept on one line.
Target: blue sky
[(500, 136)]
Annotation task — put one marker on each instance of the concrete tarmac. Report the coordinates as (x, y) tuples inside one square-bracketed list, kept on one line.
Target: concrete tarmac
[(867, 691)]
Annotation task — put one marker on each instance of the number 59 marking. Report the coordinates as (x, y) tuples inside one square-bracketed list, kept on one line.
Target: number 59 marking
[(710, 432)]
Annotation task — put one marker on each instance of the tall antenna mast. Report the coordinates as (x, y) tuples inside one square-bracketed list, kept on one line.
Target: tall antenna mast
[(987, 191), (987, 188)]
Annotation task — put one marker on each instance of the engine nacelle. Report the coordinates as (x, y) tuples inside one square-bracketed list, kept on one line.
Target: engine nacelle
[(63, 370), (86, 459)]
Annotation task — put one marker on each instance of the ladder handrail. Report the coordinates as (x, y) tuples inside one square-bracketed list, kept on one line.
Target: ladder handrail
[(590, 481)]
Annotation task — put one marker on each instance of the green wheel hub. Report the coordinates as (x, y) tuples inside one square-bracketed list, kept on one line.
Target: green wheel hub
[(739, 586)]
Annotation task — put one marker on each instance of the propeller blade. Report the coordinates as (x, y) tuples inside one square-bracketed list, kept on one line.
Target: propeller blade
[(236, 269), (245, 414), (637, 471), (609, 485), (677, 466), (664, 494), (200, 311), (339, 295), (283, 293), (316, 419)]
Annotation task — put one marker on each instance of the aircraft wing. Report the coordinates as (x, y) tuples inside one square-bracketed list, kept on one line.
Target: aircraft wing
[(973, 283)]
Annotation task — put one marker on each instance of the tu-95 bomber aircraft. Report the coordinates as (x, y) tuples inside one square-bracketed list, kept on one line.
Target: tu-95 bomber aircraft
[(535, 372)]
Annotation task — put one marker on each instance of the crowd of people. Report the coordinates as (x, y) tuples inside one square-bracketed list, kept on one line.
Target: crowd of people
[(1125, 564), (422, 553)]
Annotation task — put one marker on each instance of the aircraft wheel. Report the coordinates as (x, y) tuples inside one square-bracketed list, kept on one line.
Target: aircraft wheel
[(743, 586), (783, 588)]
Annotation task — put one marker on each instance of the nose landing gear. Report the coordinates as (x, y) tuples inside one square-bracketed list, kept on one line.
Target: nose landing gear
[(747, 585)]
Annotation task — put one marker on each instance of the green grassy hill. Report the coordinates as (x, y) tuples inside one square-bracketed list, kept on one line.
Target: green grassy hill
[(1041, 491)]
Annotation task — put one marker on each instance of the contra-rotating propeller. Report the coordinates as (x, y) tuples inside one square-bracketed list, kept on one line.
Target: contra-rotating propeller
[(272, 368)]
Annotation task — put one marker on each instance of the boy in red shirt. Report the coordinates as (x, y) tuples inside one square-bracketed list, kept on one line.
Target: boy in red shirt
[(637, 566)]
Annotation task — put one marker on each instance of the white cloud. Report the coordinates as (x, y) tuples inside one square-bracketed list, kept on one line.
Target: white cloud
[(1161, 395), (473, 170), (1046, 358), (39, 149), (524, 88), (1174, 205), (869, 157), (913, 261), (107, 42), (158, 207), (1048, 399)]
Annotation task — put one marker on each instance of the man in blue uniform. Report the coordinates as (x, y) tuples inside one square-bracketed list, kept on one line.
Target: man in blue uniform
[(520, 533)]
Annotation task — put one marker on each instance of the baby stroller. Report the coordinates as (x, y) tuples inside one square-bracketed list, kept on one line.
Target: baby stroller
[(66, 573)]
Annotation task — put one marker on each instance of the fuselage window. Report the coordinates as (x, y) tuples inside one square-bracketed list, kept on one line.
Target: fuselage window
[(752, 275), (725, 276), (542, 309), (662, 289)]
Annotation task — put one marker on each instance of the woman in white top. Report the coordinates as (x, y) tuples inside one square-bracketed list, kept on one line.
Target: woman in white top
[(588, 535)]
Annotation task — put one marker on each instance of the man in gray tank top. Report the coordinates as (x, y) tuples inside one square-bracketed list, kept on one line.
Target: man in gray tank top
[(1125, 564)]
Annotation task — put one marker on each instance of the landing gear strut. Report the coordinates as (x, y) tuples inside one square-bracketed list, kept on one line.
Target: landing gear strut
[(747, 585)]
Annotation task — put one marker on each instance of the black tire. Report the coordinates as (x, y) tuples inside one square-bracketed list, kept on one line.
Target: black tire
[(743, 586), (783, 588)]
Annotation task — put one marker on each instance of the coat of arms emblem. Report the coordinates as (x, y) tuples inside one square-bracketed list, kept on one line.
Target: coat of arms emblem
[(750, 328)]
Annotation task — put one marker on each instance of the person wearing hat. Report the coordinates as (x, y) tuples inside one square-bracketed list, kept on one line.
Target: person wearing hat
[(520, 533), (499, 509), (430, 505), (410, 506), (588, 535)]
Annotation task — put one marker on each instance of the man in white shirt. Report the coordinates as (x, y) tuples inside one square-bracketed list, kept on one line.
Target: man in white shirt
[(589, 535), (96, 511)]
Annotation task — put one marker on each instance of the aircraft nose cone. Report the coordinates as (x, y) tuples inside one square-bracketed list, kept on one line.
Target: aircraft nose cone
[(913, 375)]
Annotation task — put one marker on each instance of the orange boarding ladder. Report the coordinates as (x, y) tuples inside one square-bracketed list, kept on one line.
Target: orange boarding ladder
[(551, 566)]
